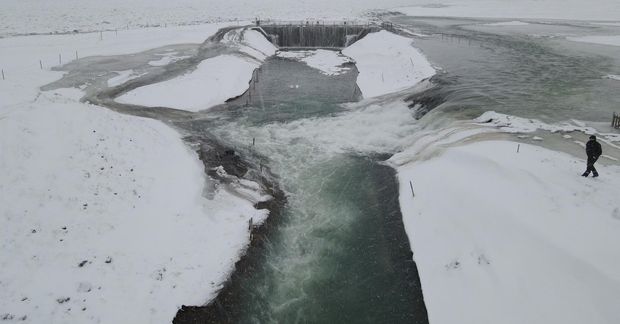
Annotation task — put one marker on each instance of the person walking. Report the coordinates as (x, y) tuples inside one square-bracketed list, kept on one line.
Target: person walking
[(594, 151)]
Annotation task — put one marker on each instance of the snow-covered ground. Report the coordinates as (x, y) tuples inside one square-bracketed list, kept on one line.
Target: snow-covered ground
[(328, 62), (122, 77), (387, 63), (213, 81), (507, 237), (103, 217)]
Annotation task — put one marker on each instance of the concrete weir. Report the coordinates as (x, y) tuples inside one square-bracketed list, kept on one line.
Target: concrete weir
[(314, 35)]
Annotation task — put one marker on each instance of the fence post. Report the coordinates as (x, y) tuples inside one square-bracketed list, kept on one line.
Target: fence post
[(411, 185), (41, 64), (59, 59), (2, 74)]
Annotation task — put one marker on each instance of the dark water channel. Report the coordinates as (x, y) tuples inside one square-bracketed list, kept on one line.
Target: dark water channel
[(338, 253)]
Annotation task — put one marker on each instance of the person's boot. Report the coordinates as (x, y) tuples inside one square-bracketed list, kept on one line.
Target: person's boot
[(585, 174), (594, 174)]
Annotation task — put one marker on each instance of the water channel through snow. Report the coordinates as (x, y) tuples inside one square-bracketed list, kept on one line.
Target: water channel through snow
[(337, 251)]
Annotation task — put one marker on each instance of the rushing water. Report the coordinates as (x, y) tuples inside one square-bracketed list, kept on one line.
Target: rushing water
[(339, 253)]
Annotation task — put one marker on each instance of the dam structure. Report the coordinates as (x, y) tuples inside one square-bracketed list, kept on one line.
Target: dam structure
[(314, 35)]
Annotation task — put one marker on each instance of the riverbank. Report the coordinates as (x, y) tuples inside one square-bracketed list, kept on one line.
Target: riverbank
[(509, 232), (104, 216)]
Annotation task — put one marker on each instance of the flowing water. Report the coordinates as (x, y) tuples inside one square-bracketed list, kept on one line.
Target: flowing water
[(340, 253), (529, 71)]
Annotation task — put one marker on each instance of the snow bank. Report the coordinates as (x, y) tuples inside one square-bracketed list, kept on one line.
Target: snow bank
[(514, 124), (532, 9), (613, 40), (328, 62), (511, 237), (213, 81), (250, 42), (387, 63), (102, 215)]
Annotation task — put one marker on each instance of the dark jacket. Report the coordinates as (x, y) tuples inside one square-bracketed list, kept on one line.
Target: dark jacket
[(593, 149)]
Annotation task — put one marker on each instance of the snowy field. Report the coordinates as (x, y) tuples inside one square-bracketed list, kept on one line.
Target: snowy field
[(38, 16), (513, 237)]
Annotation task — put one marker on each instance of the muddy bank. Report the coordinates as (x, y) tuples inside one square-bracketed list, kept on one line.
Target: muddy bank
[(213, 154)]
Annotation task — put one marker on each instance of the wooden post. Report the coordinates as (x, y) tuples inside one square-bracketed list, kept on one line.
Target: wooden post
[(76, 55), (100, 35), (41, 64), (518, 146), (2, 74), (411, 185), (59, 59), (253, 141)]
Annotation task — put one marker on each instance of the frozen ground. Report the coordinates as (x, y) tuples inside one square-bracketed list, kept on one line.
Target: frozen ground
[(103, 217), (213, 82), (507, 237), (387, 63), (328, 62), (38, 16)]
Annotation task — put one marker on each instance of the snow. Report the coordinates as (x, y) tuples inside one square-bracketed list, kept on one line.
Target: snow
[(34, 16), (327, 62), (122, 77), (514, 124), (102, 215), (508, 23), (533, 243), (214, 80), (613, 40), (387, 63), (251, 42), (167, 59), (526, 9), (20, 55), (612, 77)]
